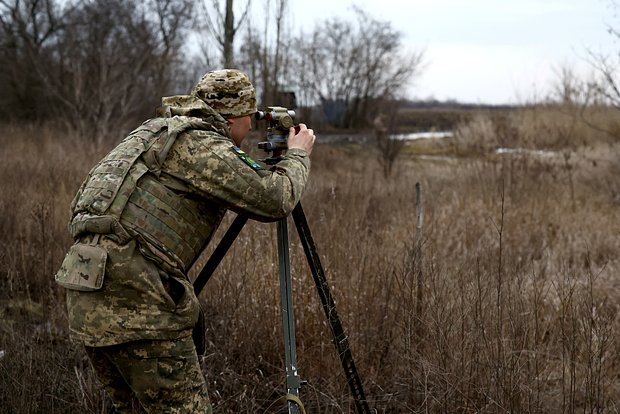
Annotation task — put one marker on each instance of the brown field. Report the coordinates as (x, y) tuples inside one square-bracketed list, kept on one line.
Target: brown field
[(511, 307)]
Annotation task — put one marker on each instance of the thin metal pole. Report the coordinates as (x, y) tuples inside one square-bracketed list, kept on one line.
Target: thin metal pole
[(219, 253), (293, 382)]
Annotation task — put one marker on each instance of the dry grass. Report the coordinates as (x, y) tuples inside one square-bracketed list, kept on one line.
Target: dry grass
[(520, 288)]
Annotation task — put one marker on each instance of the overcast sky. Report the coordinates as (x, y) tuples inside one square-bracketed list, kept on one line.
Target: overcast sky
[(486, 51)]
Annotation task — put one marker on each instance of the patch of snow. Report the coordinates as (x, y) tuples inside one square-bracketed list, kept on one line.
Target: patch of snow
[(423, 135), (540, 153)]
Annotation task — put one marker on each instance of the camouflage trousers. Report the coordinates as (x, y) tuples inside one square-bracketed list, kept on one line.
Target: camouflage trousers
[(156, 376)]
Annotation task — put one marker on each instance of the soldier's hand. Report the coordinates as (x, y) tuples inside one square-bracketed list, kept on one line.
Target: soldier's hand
[(304, 139)]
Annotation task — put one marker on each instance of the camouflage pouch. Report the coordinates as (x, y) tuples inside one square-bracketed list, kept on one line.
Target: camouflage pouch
[(83, 268)]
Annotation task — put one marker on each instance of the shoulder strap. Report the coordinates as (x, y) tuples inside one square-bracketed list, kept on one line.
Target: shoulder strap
[(177, 125)]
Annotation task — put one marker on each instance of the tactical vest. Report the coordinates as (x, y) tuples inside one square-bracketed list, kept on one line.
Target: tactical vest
[(123, 198)]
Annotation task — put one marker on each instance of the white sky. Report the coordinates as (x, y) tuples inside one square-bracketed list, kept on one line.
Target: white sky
[(486, 51)]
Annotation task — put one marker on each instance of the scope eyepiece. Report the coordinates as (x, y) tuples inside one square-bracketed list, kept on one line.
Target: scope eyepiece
[(280, 120)]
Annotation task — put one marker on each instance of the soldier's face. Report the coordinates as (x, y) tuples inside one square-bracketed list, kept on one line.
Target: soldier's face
[(239, 128)]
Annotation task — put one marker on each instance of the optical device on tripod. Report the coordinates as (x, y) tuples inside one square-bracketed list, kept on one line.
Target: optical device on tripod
[(280, 120)]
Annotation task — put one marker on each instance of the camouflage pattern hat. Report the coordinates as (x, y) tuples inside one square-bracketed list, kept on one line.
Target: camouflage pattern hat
[(228, 91)]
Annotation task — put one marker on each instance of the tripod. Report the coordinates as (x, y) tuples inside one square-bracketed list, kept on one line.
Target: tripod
[(341, 341)]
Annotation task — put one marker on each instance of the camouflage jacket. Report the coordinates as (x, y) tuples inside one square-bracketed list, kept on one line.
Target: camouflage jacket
[(204, 167)]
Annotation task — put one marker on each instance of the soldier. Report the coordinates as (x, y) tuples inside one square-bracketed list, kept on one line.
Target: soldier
[(141, 218)]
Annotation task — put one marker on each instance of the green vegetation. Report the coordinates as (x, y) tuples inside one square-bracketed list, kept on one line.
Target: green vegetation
[(519, 306)]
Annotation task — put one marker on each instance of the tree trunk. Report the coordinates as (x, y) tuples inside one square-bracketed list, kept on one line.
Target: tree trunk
[(229, 34)]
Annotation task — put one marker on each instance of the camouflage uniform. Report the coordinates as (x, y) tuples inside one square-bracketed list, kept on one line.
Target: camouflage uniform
[(152, 205)]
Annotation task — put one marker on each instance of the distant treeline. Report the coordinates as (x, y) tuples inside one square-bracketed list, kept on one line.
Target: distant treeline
[(452, 104), (99, 66), (429, 115)]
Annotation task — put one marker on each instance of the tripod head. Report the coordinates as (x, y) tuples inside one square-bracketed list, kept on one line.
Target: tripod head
[(279, 121)]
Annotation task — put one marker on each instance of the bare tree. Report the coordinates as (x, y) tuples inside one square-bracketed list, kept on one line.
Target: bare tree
[(608, 65), (116, 61), (98, 66), (173, 21), (223, 27), (275, 57), (262, 50), (354, 65), (609, 82), (28, 30), (266, 56), (569, 88), (388, 147)]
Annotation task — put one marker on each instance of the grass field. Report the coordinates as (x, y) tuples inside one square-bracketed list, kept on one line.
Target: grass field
[(509, 304)]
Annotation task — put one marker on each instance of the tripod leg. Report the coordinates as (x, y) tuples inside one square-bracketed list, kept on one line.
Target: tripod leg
[(219, 253), (341, 340), (293, 382)]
